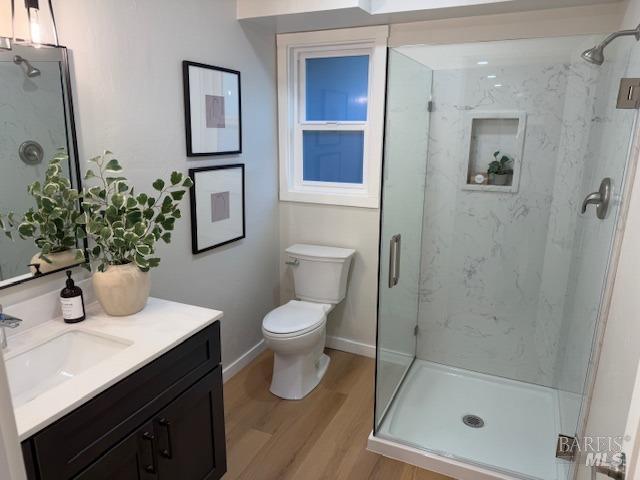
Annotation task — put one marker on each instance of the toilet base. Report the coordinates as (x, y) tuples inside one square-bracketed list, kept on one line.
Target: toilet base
[(295, 376)]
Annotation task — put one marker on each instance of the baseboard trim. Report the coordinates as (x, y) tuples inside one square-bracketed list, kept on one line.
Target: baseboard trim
[(351, 346), (245, 359), (337, 343)]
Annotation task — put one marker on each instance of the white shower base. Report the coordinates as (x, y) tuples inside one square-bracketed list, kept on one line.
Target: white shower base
[(518, 438)]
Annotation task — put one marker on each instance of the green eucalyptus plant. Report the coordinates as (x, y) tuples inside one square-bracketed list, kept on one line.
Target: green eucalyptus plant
[(125, 226), (8, 224), (501, 165), (53, 223)]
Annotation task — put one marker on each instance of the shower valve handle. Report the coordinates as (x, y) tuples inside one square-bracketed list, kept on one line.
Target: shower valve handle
[(600, 199)]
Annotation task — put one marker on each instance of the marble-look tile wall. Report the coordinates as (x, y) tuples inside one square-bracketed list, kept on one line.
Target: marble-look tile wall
[(495, 266), (30, 109)]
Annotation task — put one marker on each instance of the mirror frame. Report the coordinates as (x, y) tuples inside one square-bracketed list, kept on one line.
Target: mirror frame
[(72, 147)]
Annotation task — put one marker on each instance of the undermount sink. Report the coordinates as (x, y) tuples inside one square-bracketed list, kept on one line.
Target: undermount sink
[(57, 360)]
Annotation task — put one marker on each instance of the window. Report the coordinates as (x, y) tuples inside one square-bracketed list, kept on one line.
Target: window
[(331, 106)]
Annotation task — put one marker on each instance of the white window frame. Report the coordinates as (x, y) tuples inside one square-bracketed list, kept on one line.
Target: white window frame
[(293, 49)]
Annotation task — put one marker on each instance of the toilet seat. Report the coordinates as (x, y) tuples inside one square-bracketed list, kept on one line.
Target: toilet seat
[(295, 318)]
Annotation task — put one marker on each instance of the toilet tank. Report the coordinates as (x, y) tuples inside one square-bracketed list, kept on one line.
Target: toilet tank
[(320, 273)]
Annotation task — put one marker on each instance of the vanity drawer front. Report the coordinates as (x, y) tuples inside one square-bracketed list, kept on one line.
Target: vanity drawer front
[(78, 439)]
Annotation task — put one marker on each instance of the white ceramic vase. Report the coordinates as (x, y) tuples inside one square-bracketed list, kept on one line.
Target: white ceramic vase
[(59, 260), (122, 289)]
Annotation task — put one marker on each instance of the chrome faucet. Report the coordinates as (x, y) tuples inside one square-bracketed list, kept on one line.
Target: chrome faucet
[(6, 321)]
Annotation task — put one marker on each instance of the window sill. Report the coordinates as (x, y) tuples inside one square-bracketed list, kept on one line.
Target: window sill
[(345, 200)]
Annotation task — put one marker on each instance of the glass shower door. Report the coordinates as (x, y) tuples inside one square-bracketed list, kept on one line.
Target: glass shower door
[(606, 162), (405, 158), (506, 281)]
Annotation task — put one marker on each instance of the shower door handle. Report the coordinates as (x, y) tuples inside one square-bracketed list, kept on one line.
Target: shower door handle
[(600, 199), (394, 260)]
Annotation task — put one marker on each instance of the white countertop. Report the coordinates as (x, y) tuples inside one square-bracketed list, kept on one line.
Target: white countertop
[(152, 332)]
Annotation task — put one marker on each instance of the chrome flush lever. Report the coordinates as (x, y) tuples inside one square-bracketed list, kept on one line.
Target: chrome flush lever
[(600, 199)]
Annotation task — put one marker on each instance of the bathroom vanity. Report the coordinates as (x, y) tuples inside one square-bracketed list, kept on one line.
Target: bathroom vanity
[(138, 397)]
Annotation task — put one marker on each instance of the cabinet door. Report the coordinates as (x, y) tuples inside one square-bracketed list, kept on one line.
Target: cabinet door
[(190, 433), (132, 459)]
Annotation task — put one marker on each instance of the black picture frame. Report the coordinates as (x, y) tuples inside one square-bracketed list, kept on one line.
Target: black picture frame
[(193, 174), (187, 108)]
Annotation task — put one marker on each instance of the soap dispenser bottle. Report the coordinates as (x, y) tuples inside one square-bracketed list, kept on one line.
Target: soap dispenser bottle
[(72, 302)]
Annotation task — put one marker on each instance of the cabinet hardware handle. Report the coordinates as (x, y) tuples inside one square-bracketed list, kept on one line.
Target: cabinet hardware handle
[(149, 437), (166, 452)]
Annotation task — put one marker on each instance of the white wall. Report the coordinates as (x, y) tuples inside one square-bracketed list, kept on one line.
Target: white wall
[(355, 318), (126, 66)]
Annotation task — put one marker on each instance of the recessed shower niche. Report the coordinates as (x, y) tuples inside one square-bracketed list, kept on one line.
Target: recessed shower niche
[(494, 145)]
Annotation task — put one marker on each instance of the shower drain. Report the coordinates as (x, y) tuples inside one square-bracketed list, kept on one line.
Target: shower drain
[(473, 421)]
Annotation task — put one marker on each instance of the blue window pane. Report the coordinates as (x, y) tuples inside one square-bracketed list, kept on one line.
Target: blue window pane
[(332, 156), (337, 88)]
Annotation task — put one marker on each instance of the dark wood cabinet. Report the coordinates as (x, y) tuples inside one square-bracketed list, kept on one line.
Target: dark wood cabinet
[(163, 422), (190, 443), (132, 459)]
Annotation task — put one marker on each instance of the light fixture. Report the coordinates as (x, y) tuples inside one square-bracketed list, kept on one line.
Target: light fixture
[(483, 62), (498, 85), (33, 26), (33, 14), (491, 76)]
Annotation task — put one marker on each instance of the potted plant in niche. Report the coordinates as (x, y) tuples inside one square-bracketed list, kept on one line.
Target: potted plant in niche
[(125, 227), (53, 222), (500, 169)]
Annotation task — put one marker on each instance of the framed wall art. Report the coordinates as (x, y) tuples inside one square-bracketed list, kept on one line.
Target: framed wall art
[(217, 206), (213, 116)]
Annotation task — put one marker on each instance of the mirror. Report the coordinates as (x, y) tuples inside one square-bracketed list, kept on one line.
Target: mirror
[(36, 121)]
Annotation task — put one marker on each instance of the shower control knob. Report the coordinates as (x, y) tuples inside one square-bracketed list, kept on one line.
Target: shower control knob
[(31, 152), (600, 199)]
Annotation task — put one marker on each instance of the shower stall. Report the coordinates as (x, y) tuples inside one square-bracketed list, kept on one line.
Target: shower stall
[(505, 165)]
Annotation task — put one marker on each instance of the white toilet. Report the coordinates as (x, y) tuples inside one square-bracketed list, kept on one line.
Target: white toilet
[(296, 331)]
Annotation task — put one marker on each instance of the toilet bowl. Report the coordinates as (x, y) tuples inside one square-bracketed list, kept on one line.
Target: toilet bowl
[(296, 331)]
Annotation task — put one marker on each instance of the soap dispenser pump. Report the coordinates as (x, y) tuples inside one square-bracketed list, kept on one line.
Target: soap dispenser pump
[(72, 302)]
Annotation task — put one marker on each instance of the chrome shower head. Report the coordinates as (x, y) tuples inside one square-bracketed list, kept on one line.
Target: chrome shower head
[(31, 70), (595, 54)]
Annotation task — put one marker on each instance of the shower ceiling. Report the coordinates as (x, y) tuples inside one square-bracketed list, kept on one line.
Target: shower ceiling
[(496, 54)]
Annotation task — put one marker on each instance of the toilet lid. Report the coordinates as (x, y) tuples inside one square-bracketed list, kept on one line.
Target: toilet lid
[(295, 316)]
